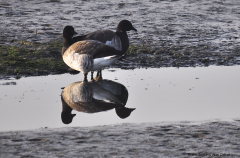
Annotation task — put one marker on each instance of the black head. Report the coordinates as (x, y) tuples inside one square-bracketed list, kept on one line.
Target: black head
[(125, 25), (66, 113), (68, 31), (67, 117), (124, 112)]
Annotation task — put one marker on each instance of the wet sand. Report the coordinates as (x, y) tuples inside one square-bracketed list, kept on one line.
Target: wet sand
[(166, 139)]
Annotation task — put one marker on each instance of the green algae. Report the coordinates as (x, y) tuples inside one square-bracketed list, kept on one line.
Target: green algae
[(35, 58), (137, 49), (40, 59)]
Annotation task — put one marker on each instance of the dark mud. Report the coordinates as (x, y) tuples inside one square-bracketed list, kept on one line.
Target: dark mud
[(213, 139), (179, 33)]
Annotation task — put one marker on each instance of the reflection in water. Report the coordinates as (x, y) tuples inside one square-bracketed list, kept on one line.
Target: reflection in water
[(94, 96)]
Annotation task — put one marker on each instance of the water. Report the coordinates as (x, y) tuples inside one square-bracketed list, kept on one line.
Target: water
[(165, 94)]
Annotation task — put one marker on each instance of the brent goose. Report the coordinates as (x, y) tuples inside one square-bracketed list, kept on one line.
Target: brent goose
[(95, 96), (87, 55), (119, 39)]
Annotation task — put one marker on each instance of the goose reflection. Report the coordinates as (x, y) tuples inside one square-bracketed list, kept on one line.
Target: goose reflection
[(94, 96)]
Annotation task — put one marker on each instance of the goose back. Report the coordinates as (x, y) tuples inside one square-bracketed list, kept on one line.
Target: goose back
[(105, 36)]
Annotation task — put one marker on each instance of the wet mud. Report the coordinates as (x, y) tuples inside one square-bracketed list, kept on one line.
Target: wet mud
[(213, 139), (171, 33)]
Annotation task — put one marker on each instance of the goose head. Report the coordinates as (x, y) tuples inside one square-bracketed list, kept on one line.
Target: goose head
[(124, 26), (68, 32), (124, 112)]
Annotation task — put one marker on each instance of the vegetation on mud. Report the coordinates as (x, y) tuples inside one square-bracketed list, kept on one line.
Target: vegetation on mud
[(22, 61), (33, 58)]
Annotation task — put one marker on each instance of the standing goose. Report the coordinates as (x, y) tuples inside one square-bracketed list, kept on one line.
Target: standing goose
[(88, 55), (119, 39)]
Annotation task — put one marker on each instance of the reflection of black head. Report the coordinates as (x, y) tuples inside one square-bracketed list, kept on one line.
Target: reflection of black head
[(67, 117), (123, 112), (66, 114)]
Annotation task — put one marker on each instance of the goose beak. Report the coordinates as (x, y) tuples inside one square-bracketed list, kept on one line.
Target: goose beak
[(73, 115), (134, 29)]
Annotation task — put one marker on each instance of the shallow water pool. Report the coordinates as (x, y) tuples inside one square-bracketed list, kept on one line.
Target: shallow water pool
[(165, 94)]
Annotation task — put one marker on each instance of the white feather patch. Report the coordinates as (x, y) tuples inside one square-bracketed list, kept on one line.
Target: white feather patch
[(100, 63), (115, 42), (100, 93)]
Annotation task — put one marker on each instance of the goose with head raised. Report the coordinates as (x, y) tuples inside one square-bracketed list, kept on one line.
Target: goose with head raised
[(119, 39)]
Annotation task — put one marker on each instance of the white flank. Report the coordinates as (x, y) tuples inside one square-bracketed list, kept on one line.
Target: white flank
[(115, 42), (100, 63), (100, 93), (79, 62), (113, 87)]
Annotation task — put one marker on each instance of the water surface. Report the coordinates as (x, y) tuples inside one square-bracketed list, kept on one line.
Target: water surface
[(165, 94)]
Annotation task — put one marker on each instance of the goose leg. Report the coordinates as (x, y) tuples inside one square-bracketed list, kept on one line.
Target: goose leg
[(99, 73), (92, 75), (85, 76)]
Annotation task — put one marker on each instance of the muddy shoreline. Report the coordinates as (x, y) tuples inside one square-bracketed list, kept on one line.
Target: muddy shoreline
[(181, 33), (166, 139), (137, 56)]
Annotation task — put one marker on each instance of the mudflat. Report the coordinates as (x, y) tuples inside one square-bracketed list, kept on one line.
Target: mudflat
[(182, 139), (171, 33)]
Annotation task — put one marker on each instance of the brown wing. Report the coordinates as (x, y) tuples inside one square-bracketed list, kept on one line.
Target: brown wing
[(94, 48)]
